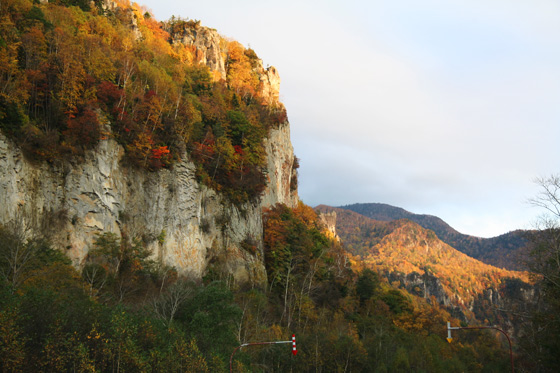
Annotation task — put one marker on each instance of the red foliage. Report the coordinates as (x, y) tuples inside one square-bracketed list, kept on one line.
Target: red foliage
[(161, 157), (108, 93), (160, 152), (82, 130)]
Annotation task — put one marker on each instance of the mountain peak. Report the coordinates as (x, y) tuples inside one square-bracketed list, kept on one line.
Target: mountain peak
[(503, 251)]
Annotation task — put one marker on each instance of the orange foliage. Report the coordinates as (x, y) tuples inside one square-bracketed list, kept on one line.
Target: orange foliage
[(241, 76)]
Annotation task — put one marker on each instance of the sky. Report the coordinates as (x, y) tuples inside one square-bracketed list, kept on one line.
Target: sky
[(441, 107)]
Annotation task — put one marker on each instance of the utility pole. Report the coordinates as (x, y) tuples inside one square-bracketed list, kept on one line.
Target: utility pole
[(292, 341), (449, 339)]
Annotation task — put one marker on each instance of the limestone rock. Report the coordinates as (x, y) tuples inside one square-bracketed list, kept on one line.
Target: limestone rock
[(328, 219), (210, 45), (74, 202), (212, 51)]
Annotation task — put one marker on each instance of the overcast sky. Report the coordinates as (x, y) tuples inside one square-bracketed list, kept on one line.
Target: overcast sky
[(449, 108)]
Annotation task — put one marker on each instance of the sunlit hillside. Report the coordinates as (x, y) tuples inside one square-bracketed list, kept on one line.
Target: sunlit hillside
[(404, 247), (505, 251)]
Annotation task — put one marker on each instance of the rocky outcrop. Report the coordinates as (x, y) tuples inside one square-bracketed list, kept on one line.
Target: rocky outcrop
[(430, 288), (114, 7), (508, 306), (281, 172), (270, 84), (212, 51), (210, 45), (425, 286), (328, 219)]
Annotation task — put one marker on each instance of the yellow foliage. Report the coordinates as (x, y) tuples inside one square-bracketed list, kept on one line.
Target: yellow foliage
[(241, 76)]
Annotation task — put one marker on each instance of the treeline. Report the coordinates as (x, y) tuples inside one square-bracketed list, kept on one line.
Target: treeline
[(124, 311), (72, 74)]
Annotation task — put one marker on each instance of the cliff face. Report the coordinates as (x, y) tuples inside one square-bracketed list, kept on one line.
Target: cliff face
[(328, 219), (209, 45), (186, 225), (212, 51), (508, 305)]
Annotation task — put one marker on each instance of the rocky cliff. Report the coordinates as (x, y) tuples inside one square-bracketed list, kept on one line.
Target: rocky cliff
[(328, 219), (185, 224), (212, 51), (509, 305), (430, 288), (73, 202)]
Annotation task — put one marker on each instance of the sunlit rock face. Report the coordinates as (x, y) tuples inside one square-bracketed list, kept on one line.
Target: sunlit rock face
[(212, 51), (328, 219)]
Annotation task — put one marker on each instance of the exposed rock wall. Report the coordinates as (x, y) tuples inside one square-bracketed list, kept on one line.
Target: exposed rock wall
[(430, 288), (210, 45), (212, 51), (329, 221), (280, 168), (73, 202), (270, 84), (508, 306), (424, 285)]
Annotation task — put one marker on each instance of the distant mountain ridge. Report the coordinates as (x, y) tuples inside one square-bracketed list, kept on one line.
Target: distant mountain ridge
[(504, 251), (408, 254)]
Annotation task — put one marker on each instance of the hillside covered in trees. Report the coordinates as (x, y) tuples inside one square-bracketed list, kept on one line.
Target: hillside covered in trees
[(504, 251), (124, 311), (403, 247)]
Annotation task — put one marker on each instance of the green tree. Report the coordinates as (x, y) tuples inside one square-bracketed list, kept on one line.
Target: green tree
[(12, 352), (211, 317), (367, 284), (122, 269), (21, 253)]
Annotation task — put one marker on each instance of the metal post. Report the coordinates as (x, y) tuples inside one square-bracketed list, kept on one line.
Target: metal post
[(449, 328), (293, 341)]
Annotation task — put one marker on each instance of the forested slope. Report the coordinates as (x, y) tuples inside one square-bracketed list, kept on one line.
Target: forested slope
[(125, 311), (402, 246), (504, 251)]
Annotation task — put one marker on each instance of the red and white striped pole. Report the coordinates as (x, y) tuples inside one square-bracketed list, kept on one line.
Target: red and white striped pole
[(294, 349)]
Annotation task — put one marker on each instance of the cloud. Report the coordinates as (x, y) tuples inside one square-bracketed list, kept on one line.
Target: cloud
[(441, 107)]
